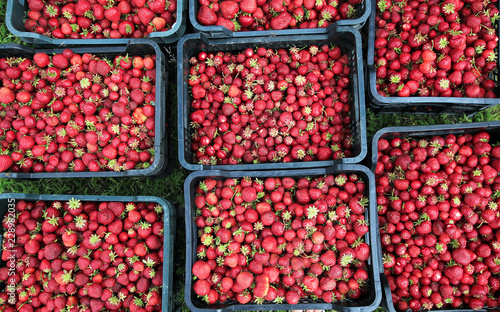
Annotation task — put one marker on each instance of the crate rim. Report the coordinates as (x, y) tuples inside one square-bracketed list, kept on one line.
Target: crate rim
[(184, 100), (371, 237)]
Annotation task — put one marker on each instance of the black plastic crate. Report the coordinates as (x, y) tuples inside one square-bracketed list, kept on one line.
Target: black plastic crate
[(133, 47), (347, 38), (416, 104), (369, 302), (16, 13), (364, 10), (425, 131), (7, 200)]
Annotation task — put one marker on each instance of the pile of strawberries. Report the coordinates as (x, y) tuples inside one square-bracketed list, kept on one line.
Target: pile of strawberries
[(281, 239), (99, 19), (438, 202), (71, 112), (436, 48), (270, 105), (83, 257), (252, 15)]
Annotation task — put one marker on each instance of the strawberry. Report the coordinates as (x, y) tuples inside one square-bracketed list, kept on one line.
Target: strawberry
[(229, 9), (248, 6), (281, 21), (145, 15), (201, 287), (113, 14), (206, 16), (5, 161), (157, 6), (244, 279), (159, 23), (221, 21), (201, 269), (52, 251), (69, 238), (463, 256)]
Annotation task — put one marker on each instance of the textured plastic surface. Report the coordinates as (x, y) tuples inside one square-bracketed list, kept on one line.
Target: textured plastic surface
[(426, 109), (388, 133), (16, 13), (134, 47), (168, 225), (347, 38), (415, 104), (367, 303), (223, 32)]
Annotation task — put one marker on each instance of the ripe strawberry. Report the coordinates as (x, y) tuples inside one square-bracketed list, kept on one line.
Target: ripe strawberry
[(145, 15), (52, 251), (5, 161), (281, 21), (69, 238), (229, 9), (206, 16), (244, 279), (248, 6), (7, 96)]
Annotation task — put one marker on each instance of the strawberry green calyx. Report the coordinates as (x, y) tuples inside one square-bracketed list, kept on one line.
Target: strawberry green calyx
[(74, 203)]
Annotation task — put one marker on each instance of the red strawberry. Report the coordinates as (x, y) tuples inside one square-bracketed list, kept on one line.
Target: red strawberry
[(69, 238), (221, 21), (463, 256), (113, 14), (281, 21), (157, 6), (201, 287), (206, 16), (248, 6), (145, 15), (5, 161), (229, 9), (244, 279), (52, 251), (6, 96), (262, 286), (201, 269)]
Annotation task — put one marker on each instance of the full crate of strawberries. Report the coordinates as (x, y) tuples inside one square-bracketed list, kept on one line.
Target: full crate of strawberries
[(437, 196), (86, 253), (82, 112), (439, 56), (53, 23), (292, 102), (274, 240)]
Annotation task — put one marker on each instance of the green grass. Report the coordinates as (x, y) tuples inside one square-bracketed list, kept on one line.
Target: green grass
[(172, 186)]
